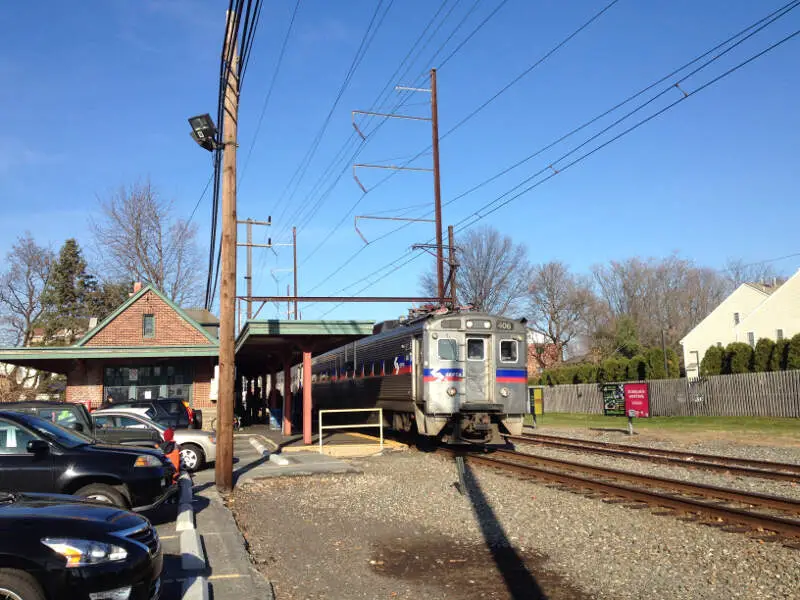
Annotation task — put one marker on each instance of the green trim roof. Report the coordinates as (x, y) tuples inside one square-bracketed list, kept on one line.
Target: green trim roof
[(75, 352), (288, 328), (122, 307)]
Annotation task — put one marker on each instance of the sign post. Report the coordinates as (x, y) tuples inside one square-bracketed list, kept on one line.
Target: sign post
[(613, 400), (536, 399)]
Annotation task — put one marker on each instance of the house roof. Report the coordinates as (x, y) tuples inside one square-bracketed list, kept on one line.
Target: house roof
[(202, 316), (750, 286), (122, 307)]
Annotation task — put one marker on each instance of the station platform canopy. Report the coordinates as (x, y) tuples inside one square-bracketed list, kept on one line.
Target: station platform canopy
[(264, 345)]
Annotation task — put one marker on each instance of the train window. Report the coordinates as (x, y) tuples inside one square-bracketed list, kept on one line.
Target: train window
[(448, 350), (508, 351), (475, 349)]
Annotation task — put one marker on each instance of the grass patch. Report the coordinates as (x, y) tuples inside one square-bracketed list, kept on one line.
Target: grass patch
[(768, 425)]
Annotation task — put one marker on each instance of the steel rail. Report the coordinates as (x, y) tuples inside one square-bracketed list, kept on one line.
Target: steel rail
[(779, 525), (740, 466), (677, 485)]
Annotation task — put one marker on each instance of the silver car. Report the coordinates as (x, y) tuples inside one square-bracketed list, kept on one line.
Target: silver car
[(197, 447)]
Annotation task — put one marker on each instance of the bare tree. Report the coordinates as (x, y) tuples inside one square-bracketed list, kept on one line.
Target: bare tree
[(558, 301), (139, 239), (492, 272), (669, 294), (738, 272), (21, 286), (27, 270)]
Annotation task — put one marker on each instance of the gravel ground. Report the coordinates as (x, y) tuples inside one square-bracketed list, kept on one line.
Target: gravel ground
[(669, 440), (401, 530), (788, 489)]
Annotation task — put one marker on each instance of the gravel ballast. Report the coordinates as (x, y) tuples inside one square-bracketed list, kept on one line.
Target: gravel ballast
[(402, 530)]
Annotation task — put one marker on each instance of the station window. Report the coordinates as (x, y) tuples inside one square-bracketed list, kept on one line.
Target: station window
[(448, 350), (508, 351), (475, 349), (149, 326), (779, 334)]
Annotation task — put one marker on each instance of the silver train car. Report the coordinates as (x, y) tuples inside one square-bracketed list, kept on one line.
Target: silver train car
[(458, 377)]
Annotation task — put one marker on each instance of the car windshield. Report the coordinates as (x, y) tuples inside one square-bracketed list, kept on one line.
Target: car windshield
[(64, 437)]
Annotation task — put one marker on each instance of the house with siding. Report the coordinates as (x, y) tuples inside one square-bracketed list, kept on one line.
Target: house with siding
[(751, 312)]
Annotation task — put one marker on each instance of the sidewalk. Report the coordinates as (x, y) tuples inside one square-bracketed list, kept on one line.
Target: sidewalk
[(205, 555)]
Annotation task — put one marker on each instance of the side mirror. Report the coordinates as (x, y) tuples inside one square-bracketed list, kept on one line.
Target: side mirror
[(78, 427), (38, 447)]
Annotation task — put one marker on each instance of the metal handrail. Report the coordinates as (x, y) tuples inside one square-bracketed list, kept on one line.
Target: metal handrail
[(354, 426)]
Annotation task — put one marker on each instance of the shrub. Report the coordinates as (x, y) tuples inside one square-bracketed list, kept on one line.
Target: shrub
[(763, 355), (655, 363), (615, 369), (777, 362), (738, 358), (712, 361), (637, 368), (674, 363), (793, 355)]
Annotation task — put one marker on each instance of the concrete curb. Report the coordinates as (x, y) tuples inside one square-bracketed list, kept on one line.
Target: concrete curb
[(273, 458), (192, 555), (195, 589)]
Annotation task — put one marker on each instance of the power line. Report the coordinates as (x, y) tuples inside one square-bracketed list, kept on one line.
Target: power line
[(481, 215), (270, 89), (299, 173)]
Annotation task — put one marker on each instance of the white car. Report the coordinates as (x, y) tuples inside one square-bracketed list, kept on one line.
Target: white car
[(197, 447)]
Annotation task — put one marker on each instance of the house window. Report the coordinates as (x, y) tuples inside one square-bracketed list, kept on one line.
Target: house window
[(735, 318), (751, 339), (149, 326), (779, 334), (719, 344)]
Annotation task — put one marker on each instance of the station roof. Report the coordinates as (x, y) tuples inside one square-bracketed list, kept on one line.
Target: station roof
[(262, 345)]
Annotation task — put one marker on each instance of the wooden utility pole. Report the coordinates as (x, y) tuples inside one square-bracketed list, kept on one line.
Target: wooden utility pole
[(227, 292), (250, 245), (249, 276), (453, 264), (294, 257), (437, 189)]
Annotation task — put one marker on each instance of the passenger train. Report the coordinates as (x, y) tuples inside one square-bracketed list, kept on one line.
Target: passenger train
[(456, 376)]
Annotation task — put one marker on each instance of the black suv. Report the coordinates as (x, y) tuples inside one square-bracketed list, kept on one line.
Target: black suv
[(169, 412), (38, 456), (76, 417), (54, 547)]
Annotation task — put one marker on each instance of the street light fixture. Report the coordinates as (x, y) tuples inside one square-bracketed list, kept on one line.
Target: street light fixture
[(204, 132)]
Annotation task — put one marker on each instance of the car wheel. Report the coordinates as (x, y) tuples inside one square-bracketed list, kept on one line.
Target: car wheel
[(101, 492), (192, 457), (19, 585)]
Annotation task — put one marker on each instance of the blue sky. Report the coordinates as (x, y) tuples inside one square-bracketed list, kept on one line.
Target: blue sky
[(97, 97)]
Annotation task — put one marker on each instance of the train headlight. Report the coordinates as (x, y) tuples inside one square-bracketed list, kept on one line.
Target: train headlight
[(487, 325), (451, 391), (469, 324), (505, 392)]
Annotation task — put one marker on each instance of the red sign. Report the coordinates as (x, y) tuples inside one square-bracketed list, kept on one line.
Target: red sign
[(637, 399)]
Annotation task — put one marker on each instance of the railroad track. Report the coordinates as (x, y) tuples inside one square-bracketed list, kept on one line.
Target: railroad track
[(709, 504), (740, 466)]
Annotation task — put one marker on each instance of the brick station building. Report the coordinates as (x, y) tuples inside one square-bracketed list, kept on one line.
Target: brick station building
[(147, 348)]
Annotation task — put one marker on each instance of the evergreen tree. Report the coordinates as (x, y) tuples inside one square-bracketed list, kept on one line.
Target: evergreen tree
[(763, 355), (712, 361), (793, 354), (738, 358), (626, 338), (65, 296), (777, 362), (637, 368)]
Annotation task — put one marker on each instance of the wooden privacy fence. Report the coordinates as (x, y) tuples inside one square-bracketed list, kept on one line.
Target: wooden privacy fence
[(745, 395)]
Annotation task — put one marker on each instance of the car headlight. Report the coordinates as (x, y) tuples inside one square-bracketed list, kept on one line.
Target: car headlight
[(147, 460), (80, 553), (505, 392)]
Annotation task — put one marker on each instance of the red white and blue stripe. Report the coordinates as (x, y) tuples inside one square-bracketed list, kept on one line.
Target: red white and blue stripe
[(430, 375), (511, 376)]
